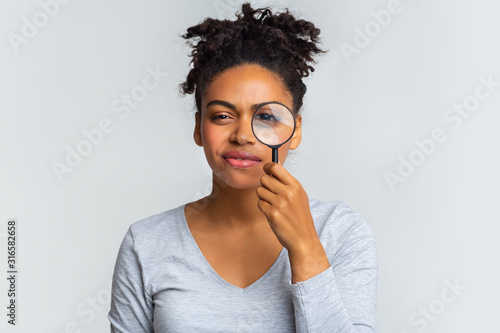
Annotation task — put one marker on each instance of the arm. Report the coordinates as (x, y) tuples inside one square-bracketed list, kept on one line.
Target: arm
[(334, 292), (131, 305), (341, 299)]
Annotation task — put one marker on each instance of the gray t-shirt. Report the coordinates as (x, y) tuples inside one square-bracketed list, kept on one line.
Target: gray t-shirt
[(163, 283)]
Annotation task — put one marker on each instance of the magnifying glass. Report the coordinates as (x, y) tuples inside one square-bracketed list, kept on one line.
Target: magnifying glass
[(273, 124)]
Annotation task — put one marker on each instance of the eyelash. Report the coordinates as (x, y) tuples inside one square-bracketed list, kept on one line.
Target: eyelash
[(220, 118)]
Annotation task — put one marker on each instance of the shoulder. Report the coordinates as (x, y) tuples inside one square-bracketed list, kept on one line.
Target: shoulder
[(336, 212), (155, 231), (340, 226)]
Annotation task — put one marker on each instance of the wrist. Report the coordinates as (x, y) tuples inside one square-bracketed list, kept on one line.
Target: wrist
[(307, 260)]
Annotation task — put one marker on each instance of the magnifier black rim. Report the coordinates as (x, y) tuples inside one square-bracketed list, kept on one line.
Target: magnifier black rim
[(294, 124)]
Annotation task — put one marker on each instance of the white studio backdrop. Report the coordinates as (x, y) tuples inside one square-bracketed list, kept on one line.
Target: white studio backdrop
[(400, 122)]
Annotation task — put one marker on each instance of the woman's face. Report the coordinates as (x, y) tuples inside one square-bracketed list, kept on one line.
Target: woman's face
[(224, 129)]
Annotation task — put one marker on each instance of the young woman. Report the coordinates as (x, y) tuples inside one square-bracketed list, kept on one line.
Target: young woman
[(256, 255)]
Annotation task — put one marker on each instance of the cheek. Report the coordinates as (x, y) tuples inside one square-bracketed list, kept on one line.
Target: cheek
[(282, 151), (212, 136)]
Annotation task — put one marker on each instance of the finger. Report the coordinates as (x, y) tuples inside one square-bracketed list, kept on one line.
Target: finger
[(272, 184), (265, 195), (279, 172), (265, 208)]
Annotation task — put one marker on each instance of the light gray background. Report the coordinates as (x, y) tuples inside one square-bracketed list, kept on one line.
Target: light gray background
[(436, 228)]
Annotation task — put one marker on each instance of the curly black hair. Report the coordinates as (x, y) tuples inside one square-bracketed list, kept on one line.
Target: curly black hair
[(278, 42)]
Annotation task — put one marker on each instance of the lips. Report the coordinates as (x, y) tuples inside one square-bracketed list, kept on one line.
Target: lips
[(241, 155), (241, 159)]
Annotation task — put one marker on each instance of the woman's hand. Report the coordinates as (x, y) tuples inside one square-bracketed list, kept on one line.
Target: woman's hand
[(286, 206)]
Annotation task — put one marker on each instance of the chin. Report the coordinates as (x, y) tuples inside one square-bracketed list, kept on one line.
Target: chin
[(241, 186), (240, 182)]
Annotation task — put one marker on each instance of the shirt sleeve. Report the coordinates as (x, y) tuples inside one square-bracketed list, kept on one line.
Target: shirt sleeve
[(131, 305), (341, 299)]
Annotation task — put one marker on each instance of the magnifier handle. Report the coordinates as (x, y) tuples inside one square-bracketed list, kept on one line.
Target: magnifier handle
[(275, 155)]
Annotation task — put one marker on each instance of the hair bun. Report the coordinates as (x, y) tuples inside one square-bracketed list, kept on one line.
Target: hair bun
[(279, 42)]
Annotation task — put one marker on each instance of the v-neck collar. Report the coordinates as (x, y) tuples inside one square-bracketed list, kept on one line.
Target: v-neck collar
[(213, 273)]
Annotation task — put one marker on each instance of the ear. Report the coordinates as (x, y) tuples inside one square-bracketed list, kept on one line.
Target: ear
[(297, 135), (197, 129)]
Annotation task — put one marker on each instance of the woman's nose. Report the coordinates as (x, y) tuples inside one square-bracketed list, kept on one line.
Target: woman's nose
[(242, 132)]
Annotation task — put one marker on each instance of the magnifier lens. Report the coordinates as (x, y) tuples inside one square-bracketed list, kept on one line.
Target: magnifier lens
[(273, 124)]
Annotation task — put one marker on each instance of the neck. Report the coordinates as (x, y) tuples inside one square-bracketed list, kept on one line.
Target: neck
[(232, 207)]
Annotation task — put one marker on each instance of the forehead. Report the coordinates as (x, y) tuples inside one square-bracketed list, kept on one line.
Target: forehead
[(247, 84)]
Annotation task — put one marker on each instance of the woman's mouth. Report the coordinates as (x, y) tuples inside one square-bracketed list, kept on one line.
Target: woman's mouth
[(241, 159)]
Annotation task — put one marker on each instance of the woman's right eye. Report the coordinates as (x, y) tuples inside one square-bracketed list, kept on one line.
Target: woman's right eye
[(220, 118)]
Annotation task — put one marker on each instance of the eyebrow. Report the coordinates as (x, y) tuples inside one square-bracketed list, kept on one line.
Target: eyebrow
[(232, 106)]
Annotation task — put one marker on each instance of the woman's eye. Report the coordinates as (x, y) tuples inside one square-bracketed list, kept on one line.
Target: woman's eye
[(220, 118), (267, 117)]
